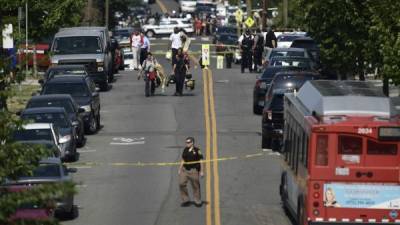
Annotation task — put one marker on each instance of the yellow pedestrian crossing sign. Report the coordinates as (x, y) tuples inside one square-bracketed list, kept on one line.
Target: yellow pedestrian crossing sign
[(249, 22), (239, 15)]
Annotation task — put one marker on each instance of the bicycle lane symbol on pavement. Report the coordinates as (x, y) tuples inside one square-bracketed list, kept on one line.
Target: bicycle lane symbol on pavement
[(128, 141)]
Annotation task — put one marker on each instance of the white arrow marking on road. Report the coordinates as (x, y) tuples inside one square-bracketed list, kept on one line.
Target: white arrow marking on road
[(128, 141)]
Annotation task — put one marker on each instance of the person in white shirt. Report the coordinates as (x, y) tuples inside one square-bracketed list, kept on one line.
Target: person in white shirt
[(145, 48), (136, 44), (176, 43)]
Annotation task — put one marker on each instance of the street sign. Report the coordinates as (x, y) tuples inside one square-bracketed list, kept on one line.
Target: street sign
[(239, 15), (205, 54), (8, 41), (249, 22)]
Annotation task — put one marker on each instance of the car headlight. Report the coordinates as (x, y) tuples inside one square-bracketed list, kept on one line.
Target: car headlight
[(87, 108), (65, 139)]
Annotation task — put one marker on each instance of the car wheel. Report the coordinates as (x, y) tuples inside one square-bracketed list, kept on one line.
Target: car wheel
[(81, 139), (73, 213), (256, 109), (104, 86), (98, 120), (150, 33), (265, 142), (92, 125)]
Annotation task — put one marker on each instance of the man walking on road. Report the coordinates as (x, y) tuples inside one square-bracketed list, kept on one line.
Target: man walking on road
[(136, 44), (190, 170), (176, 43), (258, 49), (144, 49)]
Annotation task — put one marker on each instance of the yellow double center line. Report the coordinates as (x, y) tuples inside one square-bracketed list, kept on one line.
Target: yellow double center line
[(211, 150)]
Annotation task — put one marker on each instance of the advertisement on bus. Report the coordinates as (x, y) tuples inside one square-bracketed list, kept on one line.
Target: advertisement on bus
[(372, 196)]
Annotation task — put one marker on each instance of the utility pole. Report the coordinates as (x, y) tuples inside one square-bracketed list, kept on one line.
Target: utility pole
[(285, 13), (26, 37), (107, 12), (264, 14), (249, 7)]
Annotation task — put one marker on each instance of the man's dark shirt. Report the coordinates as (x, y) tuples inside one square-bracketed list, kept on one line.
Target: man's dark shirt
[(268, 39), (192, 156)]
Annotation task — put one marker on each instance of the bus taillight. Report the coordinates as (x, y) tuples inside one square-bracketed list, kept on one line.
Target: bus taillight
[(316, 186), (316, 195)]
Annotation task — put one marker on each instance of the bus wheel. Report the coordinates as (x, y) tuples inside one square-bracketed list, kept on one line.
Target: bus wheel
[(283, 189), (300, 212)]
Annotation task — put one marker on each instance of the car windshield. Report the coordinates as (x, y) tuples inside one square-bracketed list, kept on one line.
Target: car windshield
[(307, 44), (288, 37), (226, 30), (276, 103), (228, 39), (270, 72), (76, 71), (74, 89), (128, 56), (52, 103), (57, 119), (291, 81), (77, 45), (46, 170), (296, 62), (286, 53), (33, 134)]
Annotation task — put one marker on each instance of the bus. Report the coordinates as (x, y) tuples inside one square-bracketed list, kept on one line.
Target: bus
[(340, 157)]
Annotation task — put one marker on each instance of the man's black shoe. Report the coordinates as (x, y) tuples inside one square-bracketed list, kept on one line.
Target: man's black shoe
[(185, 204), (198, 205)]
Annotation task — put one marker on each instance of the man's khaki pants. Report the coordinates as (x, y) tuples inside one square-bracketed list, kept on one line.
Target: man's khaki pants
[(192, 176)]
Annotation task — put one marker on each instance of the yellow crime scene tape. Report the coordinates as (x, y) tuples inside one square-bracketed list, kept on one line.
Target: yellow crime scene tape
[(166, 164)]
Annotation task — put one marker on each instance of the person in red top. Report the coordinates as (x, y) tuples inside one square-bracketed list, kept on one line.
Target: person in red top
[(198, 26)]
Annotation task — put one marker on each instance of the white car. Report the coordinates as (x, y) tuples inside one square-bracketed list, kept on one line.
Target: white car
[(128, 60), (167, 27), (286, 39), (187, 5), (221, 10)]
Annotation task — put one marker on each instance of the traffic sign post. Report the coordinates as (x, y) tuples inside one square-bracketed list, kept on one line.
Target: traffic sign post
[(205, 54)]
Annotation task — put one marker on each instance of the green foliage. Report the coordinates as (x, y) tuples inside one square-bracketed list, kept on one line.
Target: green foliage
[(45, 16)]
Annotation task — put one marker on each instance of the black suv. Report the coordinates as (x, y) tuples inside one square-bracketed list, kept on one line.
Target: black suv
[(68, 103), (84, 92), (262, 84), (272, 121)]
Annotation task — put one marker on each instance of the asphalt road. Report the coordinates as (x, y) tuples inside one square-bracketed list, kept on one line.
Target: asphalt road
[(127, 172)]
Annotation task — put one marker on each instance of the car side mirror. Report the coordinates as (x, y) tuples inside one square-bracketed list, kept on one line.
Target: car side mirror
[(72, 170), (80, 110), (76, 123), (95, 94)]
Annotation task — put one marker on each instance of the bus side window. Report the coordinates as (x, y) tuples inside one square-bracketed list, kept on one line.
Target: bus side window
[(321, 158)]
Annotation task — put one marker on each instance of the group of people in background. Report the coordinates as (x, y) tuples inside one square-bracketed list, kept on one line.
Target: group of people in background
[(140, 46), (204, 26), (252, 48)]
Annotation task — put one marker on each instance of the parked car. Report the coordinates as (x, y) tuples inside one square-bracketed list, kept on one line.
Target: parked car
[(118, 57), (53, 149), (64, 70), (272, 120), (128, 60), (75, 113), (51, 170), (224, 30), (59, 118), (262, 84), (300, 62), (166, 27), (40, 133), (285, 40), (309, 44), (84, 92), (88, 46), (286, 52), (29, 211)]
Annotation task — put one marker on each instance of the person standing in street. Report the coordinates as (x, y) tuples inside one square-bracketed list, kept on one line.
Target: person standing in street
[(180, 68), (176, 43), (136, 43), (246, 44), (270, 39), (190, 170), (144, 49), (258, 49)]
